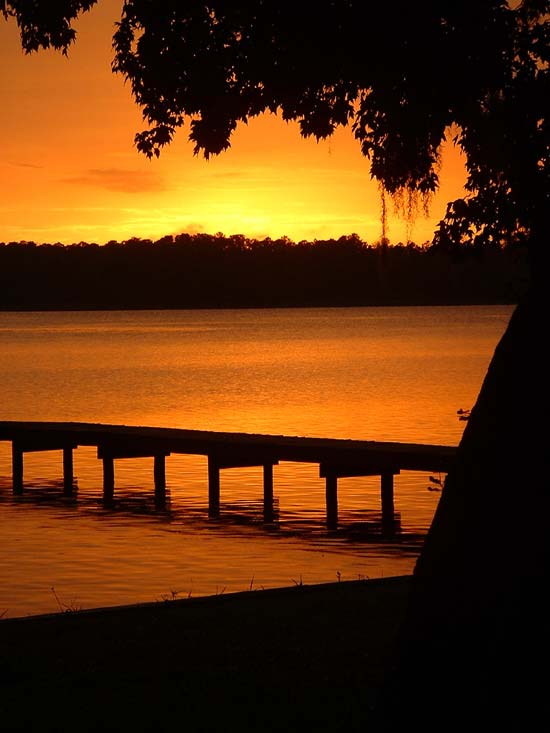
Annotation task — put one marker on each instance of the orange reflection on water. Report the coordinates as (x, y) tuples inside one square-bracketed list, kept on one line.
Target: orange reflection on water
[(376, 374)]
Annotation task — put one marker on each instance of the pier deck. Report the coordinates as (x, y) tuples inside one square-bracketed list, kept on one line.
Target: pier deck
[(337, 458)]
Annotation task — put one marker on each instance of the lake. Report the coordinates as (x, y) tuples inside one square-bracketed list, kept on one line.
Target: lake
[(398, 374)]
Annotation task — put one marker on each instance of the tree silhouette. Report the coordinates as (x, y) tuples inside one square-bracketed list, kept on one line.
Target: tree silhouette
[(205, 271), (403, 75)]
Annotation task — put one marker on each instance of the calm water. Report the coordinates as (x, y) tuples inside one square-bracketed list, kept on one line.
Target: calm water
[(369, 373)]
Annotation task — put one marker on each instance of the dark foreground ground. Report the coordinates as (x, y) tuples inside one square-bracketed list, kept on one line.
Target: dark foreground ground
[(307, 658)]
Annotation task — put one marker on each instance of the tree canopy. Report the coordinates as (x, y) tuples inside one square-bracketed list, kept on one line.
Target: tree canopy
[(45, 24), (402, 75)]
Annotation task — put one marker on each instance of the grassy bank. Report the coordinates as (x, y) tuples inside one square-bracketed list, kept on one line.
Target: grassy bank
[(300, 658)]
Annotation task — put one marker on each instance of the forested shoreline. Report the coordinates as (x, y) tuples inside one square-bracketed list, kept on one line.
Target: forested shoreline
[(217, 271)]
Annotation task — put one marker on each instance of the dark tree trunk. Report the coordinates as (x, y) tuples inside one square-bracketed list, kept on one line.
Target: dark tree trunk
[(472, 654)]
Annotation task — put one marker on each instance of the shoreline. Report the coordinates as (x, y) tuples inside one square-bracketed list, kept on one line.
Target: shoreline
[(278, 594), (443, 303), (256, 660)]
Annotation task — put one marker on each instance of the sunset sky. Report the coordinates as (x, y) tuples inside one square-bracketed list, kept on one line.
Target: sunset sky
[(69, 170)]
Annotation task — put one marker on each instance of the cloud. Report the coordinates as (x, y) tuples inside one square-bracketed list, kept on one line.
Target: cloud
[(192, 228), (119, 179), (21, 164), (227, 175)]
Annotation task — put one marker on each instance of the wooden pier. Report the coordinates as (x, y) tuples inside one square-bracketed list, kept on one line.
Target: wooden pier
[(337, 458)]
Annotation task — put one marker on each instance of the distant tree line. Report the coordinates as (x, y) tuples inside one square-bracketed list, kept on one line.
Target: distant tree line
[(217, 271)]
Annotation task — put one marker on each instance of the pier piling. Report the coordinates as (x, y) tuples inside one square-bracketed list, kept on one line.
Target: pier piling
[(386, 489), (37, 444), (213, 487), (17, 468), (331, 495), (159, 473), (268, 492), (68, 477), (108, 479)]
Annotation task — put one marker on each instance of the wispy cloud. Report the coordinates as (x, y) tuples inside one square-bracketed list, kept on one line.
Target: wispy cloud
[(223, 175), (23, 164), (192, 228), (119, 179)]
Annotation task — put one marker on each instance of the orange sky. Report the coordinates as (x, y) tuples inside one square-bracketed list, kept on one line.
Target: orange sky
[(69, 170)]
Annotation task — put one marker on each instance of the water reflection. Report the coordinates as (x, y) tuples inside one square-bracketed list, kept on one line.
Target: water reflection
[(133, 502)]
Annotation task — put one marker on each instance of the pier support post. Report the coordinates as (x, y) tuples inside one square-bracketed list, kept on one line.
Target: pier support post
[(332, 472), (213, 487), (17, 469), (332, 500), (386, 487), (108, 479), (159, 472), (68, 487), (268, 492), (217, 462)]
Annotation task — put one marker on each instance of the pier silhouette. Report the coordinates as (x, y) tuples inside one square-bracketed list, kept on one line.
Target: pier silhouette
[(337, 458)]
